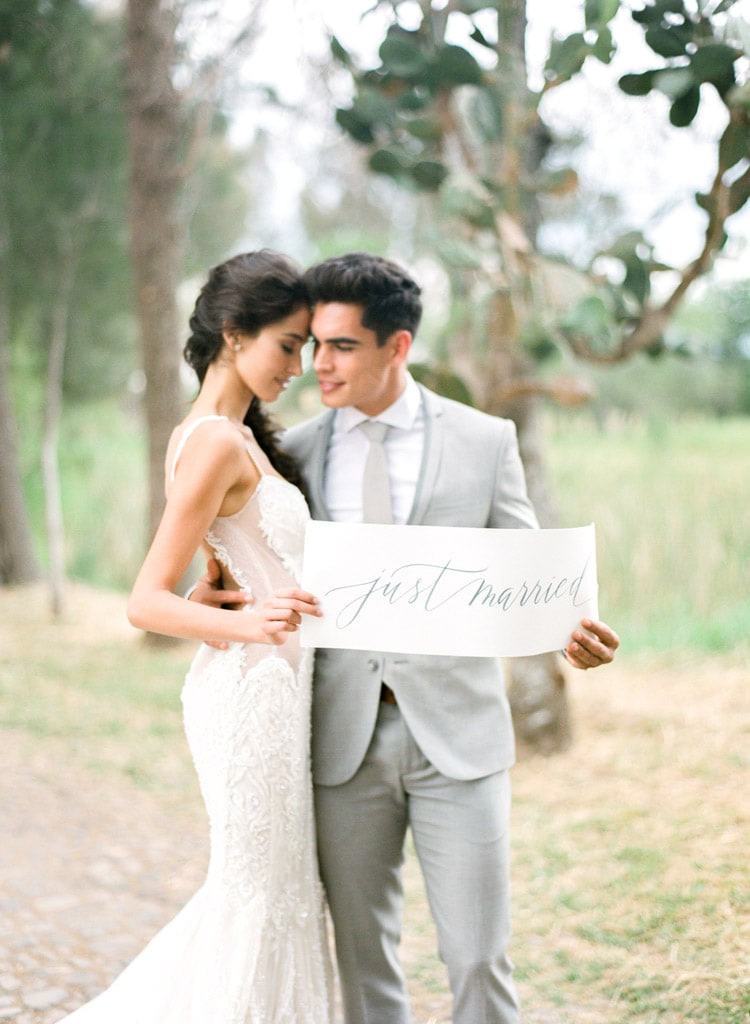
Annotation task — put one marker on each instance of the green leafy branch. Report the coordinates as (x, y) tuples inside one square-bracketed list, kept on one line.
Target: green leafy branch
[(438, 119)]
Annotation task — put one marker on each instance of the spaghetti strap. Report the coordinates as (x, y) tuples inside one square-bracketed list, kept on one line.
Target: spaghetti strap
[(189, 430), (185, 435)]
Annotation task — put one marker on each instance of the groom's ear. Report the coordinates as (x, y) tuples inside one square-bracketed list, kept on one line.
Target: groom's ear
[(401, 341)]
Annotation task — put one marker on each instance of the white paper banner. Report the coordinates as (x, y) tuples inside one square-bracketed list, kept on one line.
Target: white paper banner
[(448, 590)]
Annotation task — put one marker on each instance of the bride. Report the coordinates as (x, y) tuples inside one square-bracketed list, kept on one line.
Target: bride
[(250, 946)]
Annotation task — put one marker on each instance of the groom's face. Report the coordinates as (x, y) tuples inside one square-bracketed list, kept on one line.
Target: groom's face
[(352, 368)]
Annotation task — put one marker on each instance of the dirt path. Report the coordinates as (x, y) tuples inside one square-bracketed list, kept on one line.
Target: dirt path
[(87, 877)]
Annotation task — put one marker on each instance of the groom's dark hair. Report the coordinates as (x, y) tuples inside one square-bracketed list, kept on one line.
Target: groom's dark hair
[(389, 297)]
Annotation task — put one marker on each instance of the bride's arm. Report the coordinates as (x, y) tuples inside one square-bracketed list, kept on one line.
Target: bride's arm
[(205, 476)]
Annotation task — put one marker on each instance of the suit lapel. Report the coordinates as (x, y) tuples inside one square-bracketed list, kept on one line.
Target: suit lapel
[(431, 456), (316, 474)]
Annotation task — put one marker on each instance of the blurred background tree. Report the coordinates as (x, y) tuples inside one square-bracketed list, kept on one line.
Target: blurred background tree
[(64, 259), (67, 282)]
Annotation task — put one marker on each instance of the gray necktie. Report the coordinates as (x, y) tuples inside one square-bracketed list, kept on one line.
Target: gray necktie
[(376, 489)]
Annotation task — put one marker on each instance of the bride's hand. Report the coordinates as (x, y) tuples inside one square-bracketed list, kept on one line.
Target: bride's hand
[(281, 614)]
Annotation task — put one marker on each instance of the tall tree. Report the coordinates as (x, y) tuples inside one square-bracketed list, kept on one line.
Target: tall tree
[(168, 131), (157, 126), (60, 193), (18, 561), (460, 122)]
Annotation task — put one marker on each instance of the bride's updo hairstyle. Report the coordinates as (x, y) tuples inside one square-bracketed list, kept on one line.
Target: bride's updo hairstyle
[(247, 293), (244, 294)]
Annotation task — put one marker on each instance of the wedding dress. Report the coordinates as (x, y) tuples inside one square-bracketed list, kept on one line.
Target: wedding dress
[(250, 946)]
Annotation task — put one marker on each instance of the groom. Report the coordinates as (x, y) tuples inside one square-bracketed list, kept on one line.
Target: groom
[(403, 741)]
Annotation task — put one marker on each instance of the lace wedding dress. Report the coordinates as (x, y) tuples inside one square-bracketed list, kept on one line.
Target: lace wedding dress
[(250, 946)]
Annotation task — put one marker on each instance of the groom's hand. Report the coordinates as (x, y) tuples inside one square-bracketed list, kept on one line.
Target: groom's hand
[(210, 590), (592, 645)]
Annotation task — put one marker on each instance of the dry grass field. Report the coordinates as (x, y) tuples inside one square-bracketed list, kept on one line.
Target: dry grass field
[(631, 888), (631, 876)]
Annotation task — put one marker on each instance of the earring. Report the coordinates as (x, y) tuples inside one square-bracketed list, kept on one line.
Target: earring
[(236, 346)]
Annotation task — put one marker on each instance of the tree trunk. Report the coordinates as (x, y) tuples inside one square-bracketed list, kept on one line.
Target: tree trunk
[(18, 561), (53, 512), (536, 689), (155, 134), (537, 684)]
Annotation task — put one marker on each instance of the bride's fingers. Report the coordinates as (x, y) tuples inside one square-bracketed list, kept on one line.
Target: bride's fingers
[(307, 606), (300, 599), (283, 619), (282, 612)]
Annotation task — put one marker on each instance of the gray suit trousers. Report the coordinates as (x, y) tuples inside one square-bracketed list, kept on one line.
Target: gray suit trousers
[(460, 832)]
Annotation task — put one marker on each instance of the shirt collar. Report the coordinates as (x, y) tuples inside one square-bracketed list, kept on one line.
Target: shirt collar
[(402, 414)]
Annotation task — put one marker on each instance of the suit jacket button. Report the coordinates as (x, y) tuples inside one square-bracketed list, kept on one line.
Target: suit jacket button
[(373, 665)]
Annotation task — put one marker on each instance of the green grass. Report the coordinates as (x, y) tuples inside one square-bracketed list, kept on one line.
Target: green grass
[(102, 457), (670, 502)]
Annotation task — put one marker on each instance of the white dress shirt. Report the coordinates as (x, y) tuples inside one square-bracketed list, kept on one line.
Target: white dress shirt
[(347, 453)]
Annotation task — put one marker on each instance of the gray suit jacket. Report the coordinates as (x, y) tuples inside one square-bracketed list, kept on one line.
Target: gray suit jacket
[(456, 708)]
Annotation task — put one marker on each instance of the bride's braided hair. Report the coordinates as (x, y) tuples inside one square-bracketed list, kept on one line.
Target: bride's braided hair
[(247, 293)]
